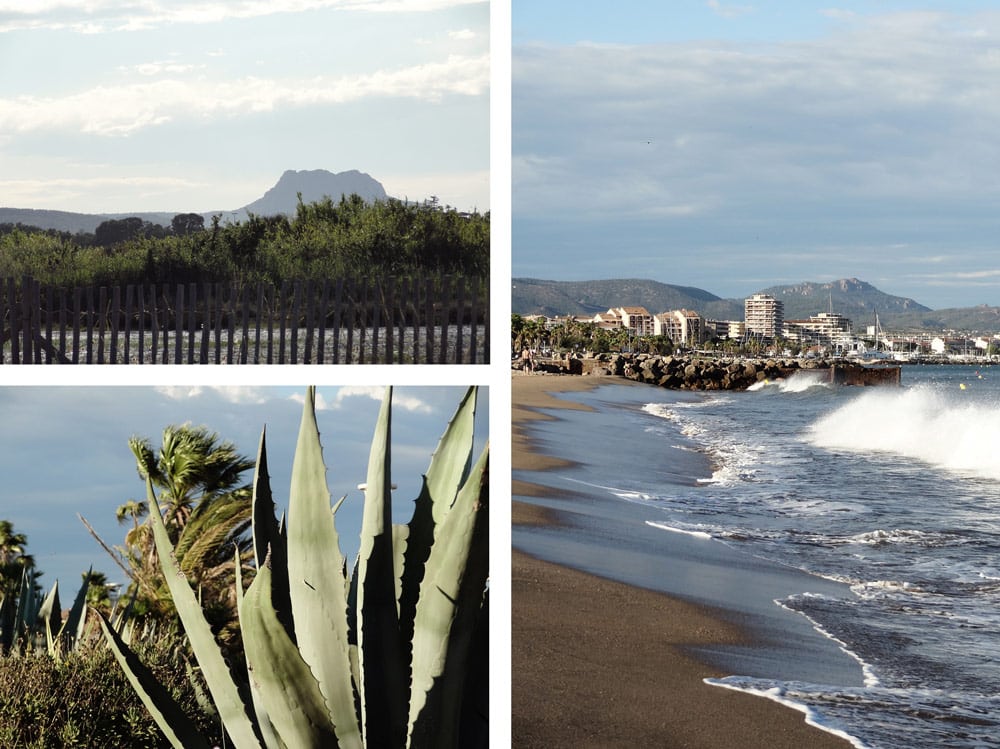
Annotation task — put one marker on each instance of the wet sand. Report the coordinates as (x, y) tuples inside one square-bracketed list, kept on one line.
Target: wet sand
[(597, 663)]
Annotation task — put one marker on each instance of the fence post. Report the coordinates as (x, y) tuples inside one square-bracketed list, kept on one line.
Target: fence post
[(459, 316), (294, 322), (116, 302), (323, 312), (258, 313), (129, 299), (310, 310), (337, 302)]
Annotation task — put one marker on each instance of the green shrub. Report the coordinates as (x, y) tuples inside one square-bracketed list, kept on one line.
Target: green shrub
[(85, 701)]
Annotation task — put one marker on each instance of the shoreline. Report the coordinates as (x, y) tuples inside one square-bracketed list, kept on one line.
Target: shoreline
[(597, 662)]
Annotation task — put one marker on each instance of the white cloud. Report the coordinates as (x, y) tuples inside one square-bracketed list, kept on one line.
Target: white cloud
[(228, 393), (100, 16), (729, 11), (404, 401), (462, 34), (120, 110)]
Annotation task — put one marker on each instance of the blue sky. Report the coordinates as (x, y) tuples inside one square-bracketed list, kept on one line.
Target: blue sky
[(64, 450), (732, 146), (194, 105)]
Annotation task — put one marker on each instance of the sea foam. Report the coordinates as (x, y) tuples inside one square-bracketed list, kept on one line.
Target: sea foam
[(948, 430)]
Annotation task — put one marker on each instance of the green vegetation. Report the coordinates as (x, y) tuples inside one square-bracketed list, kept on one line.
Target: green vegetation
[(393, 655), (84, 701), (324, 240)]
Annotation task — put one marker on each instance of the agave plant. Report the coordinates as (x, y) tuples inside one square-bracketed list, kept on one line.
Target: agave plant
[(393, 654), (30, 618)]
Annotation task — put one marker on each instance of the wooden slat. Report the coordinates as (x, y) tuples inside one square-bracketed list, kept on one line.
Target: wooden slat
[(230, 321), (179, 326), (337, 310), (141, 291), (271, 292), (192, 305), (245, 326), (376, 319), (49, 313), (129, 301), (310, 303), (473, 321), (62, 326), (282, 304), (350, 317), (415, 320), (206, 324), (294, 322), (154, 318), (363, 329), (459, 317), (324, 308), (116, 301), (220, 312), (258, 315), (429, 320), (444, 307)]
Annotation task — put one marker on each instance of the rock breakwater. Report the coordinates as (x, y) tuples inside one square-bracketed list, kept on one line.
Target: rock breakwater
[(695, 373)]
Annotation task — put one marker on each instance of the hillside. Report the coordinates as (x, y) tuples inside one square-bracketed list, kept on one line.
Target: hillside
[(851, 297), (281, 198), (848, 296), (534, 296)]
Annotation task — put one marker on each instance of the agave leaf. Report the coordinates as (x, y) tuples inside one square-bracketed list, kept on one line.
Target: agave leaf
[(175, 724), (400, 540), (383, 680), (284, 681), (72, 630), (268, 538), (267, 732), (220, 683), (50, 612), (452, 591), (448, 468), (317, 586)]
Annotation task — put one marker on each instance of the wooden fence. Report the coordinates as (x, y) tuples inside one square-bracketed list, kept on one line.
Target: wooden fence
[(420, 319)]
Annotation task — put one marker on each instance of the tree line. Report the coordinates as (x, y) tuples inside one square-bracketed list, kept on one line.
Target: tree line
[(323, 240)]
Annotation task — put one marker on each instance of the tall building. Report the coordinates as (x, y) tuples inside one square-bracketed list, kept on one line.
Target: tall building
[(764, 315)]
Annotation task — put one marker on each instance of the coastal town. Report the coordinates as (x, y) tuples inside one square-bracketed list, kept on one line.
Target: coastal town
[(763, 331)]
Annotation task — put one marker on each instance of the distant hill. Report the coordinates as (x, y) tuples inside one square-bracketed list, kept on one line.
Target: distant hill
[(847, 296), (282, 198), (850, 297), (74, 222), (534, 296), (314, 185)]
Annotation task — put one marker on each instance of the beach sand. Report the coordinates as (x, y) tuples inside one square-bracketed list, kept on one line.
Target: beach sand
[(597, 663)]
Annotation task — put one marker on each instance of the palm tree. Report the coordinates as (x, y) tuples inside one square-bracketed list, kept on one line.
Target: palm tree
[(13, 560), (206, 508)]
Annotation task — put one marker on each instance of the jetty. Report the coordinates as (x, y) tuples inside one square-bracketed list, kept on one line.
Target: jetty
[(700, 373)]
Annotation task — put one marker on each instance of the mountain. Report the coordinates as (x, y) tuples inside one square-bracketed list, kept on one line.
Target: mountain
[(282, 198), (534, 296), (850, 297), (74, 222), (314, 185)]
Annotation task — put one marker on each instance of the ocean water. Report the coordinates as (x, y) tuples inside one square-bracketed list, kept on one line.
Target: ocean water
[(894, 492)]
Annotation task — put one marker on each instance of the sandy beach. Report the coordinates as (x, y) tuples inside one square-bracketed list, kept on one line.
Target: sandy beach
[(597, 663)]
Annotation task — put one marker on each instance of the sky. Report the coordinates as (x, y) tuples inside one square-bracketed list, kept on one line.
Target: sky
[(113, 106), (64, 451), (733, 146)]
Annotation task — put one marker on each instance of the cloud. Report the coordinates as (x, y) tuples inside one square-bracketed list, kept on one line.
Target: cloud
[(120, 110), (99, 16), (405, 401), (880, 134), (729, 11), (229, 393)]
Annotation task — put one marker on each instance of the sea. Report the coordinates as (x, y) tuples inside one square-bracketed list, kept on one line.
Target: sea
[(892, 492)]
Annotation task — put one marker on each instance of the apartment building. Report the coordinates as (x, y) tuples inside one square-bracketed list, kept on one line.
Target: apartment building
[(680, 326), (826, 328), (764, 315), (636, 319)]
